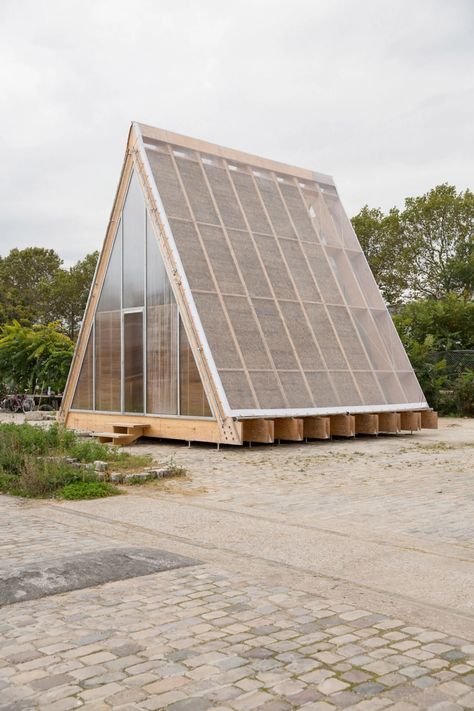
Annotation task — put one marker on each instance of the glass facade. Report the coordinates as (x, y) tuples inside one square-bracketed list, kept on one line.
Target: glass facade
[(138, 358)]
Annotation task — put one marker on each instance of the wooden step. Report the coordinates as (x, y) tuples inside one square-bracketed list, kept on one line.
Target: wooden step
[(130, 425)]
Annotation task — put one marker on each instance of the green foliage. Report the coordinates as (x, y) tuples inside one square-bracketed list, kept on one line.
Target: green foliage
[(87, 490), (32, 459), (429, 327), (26, 276), (424, 251), (464, 393), (34, 356), (36, 289), (449, 321), (382, 241)]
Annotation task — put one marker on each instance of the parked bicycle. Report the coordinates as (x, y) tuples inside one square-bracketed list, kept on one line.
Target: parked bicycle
[(18, 403)]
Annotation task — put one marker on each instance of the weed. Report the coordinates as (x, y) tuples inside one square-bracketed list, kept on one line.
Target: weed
[(87, 490), (175, 469)]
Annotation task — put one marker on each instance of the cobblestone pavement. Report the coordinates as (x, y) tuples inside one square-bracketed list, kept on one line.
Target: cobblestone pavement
[(259, 623), (200, 638)]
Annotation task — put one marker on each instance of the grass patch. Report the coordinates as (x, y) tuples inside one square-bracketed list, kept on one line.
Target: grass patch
[(87, 490), (26, 467)]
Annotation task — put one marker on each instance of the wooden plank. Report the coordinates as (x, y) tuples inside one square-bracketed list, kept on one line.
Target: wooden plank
[(342, 425), (316, 427), (410, 421), (429, 419), (189, 429), (367, 424), (258, 430), (129, 425), (289, 428), (389, 422), (195, 144)]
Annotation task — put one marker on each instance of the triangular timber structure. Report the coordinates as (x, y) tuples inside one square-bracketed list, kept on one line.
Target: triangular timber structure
[(232, 302)]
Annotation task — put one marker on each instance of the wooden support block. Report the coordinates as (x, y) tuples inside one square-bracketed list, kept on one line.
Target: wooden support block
[(389, 422), (316, 427), (367, 424), (410, 421), (342, 425), (289, 428), (429, 419), (258, 430)]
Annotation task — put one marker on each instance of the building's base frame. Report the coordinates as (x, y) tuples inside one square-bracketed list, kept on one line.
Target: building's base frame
[(259, 430)]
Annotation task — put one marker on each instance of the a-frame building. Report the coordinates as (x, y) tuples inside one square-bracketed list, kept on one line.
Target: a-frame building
[(232, 302)]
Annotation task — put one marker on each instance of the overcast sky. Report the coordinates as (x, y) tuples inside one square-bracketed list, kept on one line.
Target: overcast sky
[(377, 93)]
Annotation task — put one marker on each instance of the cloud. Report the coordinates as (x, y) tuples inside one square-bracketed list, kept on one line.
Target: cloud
[(380, 95)]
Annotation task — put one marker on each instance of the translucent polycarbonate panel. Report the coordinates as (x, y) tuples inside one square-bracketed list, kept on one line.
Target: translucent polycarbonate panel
[(366, 280), (238, 390), (222, 261), (302, 335), (388, 333), (247, 332), (275, 267), (162, 335), (323, 275), (300, 271), (193, 400), (110, 295), (321, 219), (298, 211), (346, 388), (341, 222), (267, 389), (224, 195), (84, 395), (345, 278), (348, 337), (288, 305), (391, 387), (250, 266), (168, 184), (411, 387), (275, 207), (326, 336), (133, 374), (371, 340), (272, 325), (295, 389), (187, 240), (251, 202), (369, 388), (217, 330), (197, 191), (133, 221), (108, 349), (320, 384)]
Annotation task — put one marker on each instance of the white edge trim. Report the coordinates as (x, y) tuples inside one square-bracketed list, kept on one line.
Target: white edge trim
[(351, 410), (181, 273)]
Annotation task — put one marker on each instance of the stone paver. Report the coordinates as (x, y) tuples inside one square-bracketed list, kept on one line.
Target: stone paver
[(232, 637), (199, 638)]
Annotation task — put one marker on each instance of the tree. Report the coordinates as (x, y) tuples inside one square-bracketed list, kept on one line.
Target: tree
[(70, 291), (31, 357), (35, 288), (438, 228), (449, 322), (383, 244), (26, 276), (424, 251)]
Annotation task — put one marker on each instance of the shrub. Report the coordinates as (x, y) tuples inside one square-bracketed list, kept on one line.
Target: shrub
[(464, 392), (87, 490)]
